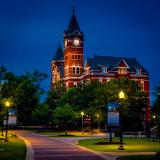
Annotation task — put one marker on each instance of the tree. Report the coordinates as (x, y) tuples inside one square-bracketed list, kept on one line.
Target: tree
[(24, 90), (63, 116), (40, 114), (52, 98), (156, 105), (26, 98)]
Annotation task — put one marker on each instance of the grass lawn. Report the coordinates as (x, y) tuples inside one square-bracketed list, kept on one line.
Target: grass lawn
[(59, 134), (14, 149), (131, 145)]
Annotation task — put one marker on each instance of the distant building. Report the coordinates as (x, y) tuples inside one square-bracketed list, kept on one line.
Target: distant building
[(69, 66)]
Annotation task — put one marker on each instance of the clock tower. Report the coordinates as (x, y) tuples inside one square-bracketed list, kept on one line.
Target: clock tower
[(73, 53)]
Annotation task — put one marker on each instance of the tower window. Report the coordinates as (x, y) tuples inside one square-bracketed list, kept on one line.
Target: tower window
[(75, 56), (74, 70), (78, 70)]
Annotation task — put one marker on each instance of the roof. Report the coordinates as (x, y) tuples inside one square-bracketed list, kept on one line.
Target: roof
[(59, 54), (113, 62), (73, 27)]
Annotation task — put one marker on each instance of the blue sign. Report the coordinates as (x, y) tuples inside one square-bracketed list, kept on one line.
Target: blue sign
[(113, 114), (112, 106), (113, 118)]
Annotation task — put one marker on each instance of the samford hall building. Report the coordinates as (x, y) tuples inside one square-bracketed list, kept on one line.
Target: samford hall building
[(69, 65)]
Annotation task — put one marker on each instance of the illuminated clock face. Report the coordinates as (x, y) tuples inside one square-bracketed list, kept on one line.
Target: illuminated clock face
[(76, 42)]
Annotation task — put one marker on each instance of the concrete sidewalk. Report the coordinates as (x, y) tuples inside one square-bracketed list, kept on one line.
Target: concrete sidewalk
[(41, 147)]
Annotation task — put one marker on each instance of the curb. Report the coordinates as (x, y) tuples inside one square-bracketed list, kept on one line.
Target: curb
[(95, 152), (30, 152)]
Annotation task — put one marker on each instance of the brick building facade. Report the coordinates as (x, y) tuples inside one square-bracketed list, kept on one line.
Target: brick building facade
[(69, 65)]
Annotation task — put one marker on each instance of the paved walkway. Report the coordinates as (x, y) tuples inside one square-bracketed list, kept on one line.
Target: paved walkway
[(44, 148)]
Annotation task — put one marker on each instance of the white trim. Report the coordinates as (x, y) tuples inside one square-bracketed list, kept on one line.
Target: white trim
[(124, 63)]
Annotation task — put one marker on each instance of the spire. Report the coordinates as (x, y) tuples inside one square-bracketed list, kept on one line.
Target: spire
[(73, 26), (73, 10), (59, 54)]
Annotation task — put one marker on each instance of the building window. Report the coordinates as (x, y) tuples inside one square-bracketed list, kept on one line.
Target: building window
[(75, 56), (78, 70), (87, 70), (104, 69), (108, 79), (75, 84), (138, 71), (58, 77), (142, 85), (73, 70), (66, 71), (100, 79), (122, 70)]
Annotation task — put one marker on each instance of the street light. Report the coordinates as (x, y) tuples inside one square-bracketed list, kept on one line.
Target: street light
[(7, 105), (121, 96), (82, 113)]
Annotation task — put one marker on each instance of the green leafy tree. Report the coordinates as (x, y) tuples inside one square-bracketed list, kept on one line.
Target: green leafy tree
[(26, 99), (63, 116), (52, 98), (40, 114), (24, 91), (156, 106)]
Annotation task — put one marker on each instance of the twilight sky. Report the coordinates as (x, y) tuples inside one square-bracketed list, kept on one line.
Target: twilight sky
[(31, 30)]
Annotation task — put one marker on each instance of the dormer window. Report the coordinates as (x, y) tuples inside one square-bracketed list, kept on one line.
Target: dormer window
[(104, 70), (138, 71), (122, 70)]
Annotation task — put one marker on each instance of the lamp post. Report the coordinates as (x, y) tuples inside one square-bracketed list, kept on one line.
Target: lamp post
[(7, 105), (121, 96), (97, 115), (2, 128), (82, 114), (154, 117)]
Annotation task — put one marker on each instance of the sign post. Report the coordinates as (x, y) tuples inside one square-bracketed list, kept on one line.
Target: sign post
[(112, 117)]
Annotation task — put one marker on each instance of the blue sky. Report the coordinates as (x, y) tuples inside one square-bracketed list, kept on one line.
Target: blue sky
[(31, 30)]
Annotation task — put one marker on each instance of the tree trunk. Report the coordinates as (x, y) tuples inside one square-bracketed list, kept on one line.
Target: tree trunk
[(66, 133)]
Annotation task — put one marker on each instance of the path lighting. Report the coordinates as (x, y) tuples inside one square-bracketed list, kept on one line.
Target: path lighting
[(97, 115), (154, 117), (7, 106), (82, 114), (121, 96)]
